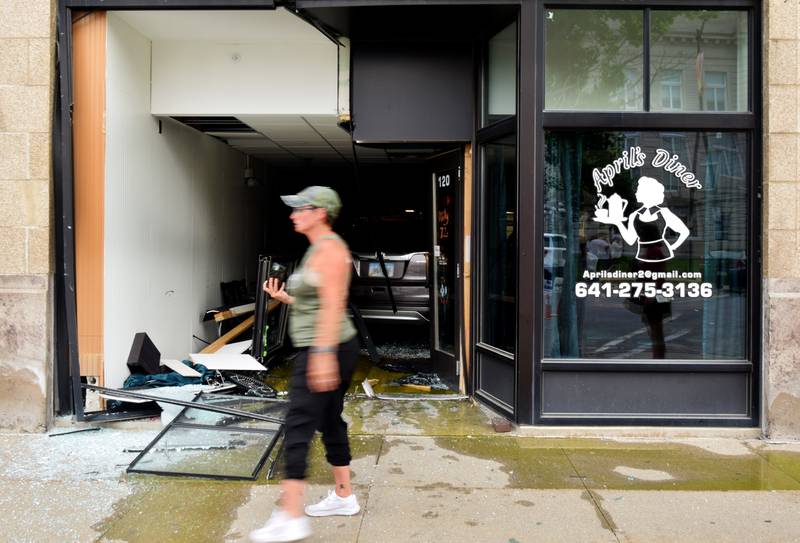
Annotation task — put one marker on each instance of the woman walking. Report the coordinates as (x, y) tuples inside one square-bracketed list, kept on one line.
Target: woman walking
[(318, 326)]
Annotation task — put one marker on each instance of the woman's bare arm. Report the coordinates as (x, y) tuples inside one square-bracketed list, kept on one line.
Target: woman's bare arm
[(331, 263)]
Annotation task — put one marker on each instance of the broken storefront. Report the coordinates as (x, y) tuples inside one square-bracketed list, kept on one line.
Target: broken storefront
[(605, 274)]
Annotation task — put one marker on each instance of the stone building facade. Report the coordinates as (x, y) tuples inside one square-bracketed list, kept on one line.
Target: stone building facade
[(781, 285), (27, 44)]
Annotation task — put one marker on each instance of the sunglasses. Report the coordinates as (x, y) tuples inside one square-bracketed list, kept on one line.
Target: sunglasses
[(303, 208)]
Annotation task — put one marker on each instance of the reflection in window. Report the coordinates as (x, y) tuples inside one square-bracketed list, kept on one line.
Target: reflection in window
[(714, 90), (499, 246), (633, 270), (704, 50), (726, 160), (671, 90), (593, 59), (675, 144), (501, 75)]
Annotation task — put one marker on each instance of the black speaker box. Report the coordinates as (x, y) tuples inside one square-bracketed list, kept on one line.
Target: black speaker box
[(144, 357)]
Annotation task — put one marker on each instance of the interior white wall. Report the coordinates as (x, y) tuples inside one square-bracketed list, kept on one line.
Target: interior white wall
[(178, 217), (207, 78)]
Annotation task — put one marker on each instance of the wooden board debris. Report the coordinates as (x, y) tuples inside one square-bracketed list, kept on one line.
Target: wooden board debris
[(237, 311), (232, 334)]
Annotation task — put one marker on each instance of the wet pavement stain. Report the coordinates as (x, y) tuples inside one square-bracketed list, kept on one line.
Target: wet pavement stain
[(417, 417), (787, 462), (526, 467), (175, 510), (594, 463), (691, 468)]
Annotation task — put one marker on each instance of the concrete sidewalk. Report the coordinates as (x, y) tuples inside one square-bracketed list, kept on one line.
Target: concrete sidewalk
[(423, 471)]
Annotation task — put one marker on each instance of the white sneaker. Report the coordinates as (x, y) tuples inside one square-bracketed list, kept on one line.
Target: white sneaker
[(334, 505), (282, 527)]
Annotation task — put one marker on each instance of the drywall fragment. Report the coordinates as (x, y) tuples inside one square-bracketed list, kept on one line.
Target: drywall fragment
[(227, 362), (182, 369)]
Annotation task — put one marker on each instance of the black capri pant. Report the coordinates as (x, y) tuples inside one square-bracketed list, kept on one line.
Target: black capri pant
[(312, 411)]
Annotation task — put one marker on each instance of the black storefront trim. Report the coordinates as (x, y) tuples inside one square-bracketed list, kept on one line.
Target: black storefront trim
[(716, 5), (671, 366), (499, 353), (167, 4), (531, 239), (529, 161), (493, 402), (714, 122), (646, 61), (716, 421), (310, 4), (755, 225), (497, 130), (63, 177)]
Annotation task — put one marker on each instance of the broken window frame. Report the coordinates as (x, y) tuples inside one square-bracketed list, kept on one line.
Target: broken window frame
[(175, 423), (262, 311)]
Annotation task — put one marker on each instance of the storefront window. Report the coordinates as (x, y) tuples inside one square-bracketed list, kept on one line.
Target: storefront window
[(594, 59), (501, 76), (707, 50), (645, 245), (499, 285)]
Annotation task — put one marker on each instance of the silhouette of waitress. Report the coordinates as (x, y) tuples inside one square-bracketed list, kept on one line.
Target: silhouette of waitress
[(648, 225)]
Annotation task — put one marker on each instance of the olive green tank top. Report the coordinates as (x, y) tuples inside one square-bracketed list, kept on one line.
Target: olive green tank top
[(304, 311)]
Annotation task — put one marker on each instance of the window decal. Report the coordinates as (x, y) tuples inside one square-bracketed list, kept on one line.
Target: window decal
[(648, 226)]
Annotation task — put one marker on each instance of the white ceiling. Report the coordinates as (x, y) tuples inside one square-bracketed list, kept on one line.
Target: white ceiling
[(289, 139), (286, 140), (235, 26)]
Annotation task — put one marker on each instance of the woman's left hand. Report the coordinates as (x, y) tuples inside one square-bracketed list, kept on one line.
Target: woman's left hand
[(322, 372)]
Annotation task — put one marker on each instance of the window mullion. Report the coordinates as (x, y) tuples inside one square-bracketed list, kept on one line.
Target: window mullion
[(646, 61)]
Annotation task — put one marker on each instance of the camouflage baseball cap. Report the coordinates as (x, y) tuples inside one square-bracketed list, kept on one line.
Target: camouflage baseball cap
[(324, 197)]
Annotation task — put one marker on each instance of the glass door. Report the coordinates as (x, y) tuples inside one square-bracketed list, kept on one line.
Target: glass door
[(495, 349), (446, 178)]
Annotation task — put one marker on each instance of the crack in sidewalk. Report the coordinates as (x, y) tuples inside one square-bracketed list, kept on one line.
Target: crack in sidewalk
[(606, 521)]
